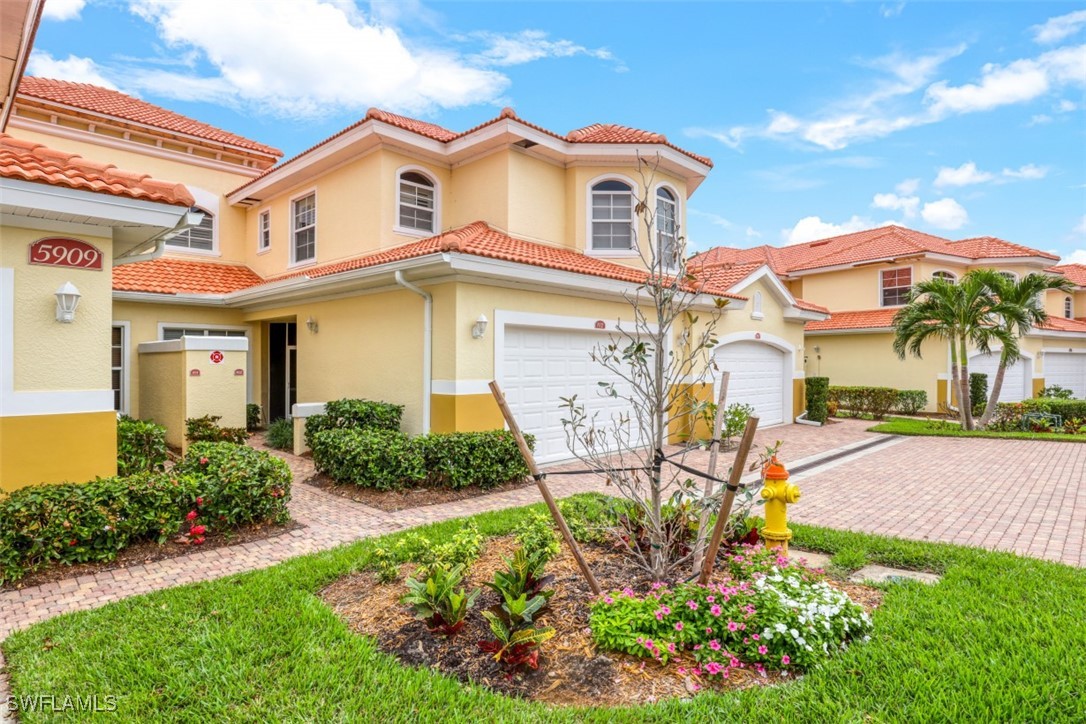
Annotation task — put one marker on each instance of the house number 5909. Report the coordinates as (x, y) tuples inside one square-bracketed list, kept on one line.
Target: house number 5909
[(65, 252)]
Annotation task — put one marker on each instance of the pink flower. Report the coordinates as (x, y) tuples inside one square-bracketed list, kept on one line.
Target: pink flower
[(665, 609), (659, 616), (762, 650), (693, 605), (708, 629), (193, 515), (608, 600), (712, 668), (714, 645), (716, 610), (682, 670), (678, 625), (733, 626), (710, 599), (199, 501), (628, 591), (785, 660), (756, 637), (671, 648)]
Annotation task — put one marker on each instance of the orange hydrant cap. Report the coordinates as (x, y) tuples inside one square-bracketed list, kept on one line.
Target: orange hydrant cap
[(775, 470)]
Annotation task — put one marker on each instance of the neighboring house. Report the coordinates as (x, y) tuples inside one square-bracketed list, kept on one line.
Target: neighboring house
[(864, 278), (401, 261)]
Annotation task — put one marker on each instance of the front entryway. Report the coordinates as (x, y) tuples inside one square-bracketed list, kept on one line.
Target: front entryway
[(282, 369), (757, 378)]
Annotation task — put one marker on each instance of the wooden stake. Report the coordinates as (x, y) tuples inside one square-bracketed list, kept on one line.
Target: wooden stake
[(529, 459), (714, 453), (729, 497)]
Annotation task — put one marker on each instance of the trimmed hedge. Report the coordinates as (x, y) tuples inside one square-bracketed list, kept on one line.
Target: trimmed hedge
[(858, 401), (354, 414), (206, 429), (910, 402), (818, 390), (226, 485), (389, 460), (141, 446)]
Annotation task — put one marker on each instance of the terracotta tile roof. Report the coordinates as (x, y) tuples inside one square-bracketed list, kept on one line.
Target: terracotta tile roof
[(864, 319), (811, 306), (180, 276), (596, 133), (868, 245), (31, 161), (1075, 273), (114, 103), (1061, 324), (727, 276)]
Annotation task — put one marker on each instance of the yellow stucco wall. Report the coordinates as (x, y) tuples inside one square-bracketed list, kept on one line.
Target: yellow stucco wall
[(772, 322), (43, 346), (162, 383), (144, 320), (480, 191), (57, 448), (217, 390)]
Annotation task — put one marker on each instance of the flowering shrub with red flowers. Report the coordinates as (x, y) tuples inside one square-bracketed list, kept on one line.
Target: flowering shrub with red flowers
[(769, 614), (220, 485)]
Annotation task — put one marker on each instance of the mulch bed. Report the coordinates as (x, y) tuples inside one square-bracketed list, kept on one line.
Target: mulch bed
[(391, 501), (571, 670), (150, 552)]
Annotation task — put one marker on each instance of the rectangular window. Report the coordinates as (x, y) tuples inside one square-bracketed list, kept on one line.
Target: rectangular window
[(179, 332), (416, 206), (896, 284), (199, 238), (264, 223), (304, 228), (117, 363), (612, 220)]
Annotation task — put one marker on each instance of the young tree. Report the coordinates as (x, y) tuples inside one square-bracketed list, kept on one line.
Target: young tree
[(664, 349), (1021, 304)]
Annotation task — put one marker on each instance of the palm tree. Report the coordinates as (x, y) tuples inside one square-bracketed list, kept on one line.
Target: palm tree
[(1021, 307), (958, 314)]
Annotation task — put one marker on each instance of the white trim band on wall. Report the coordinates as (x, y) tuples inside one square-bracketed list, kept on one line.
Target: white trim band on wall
[(460, 387)]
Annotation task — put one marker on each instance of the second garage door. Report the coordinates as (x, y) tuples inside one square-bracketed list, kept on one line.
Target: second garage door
[(757, 378), (1014, 378), (1068, 370)]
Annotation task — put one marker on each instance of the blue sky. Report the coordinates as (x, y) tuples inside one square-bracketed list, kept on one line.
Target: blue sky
[(960, 119)]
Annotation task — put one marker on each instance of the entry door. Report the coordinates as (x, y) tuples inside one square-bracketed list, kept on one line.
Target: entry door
[(292, 379), (282, 369)]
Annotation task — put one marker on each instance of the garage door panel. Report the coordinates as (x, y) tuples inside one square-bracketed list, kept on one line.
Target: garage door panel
[(1068, 370), (757, 378), (1014, 378)]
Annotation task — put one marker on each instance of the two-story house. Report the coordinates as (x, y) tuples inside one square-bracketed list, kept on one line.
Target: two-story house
[(864, 278), (402, 261)]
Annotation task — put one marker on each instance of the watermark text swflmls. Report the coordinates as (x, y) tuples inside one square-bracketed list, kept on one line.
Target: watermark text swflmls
[(52, 703)]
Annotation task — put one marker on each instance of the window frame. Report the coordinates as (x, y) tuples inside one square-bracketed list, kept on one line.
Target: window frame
[(946, 273), (635, 240), (294, 261), (397, 227), (1012, 276), (1068, 307), (213, 251), (676, 200), (263, 231), (125, 367), (756, 303), (883, 287)]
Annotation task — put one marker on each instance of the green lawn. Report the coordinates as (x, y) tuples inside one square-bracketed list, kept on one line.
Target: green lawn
[(938, 428), (1001, 638)]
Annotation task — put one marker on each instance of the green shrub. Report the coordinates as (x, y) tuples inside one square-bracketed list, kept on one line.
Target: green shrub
[(459, 459), (978, 391), (354, 414), (141, 446), (592, 517), (1056, 392), (1064, 408), (436, 602), (537, 535), (372, 458), (860, 400), (225, 486), (206, 429), (817, 396), (280, 434), (253, 416), (910, 402)]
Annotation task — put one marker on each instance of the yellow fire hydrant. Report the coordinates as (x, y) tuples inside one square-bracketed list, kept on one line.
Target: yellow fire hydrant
[(778, 493)]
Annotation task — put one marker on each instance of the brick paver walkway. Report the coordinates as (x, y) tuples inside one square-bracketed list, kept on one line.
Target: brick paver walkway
[(1029, 497)]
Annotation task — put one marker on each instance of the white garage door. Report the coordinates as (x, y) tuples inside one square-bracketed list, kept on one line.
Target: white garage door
[(543, 365), (1014, 379), (1067, 370), (757, 378)]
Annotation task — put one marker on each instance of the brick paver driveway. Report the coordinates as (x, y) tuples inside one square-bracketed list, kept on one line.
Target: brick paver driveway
[(1017, 495)]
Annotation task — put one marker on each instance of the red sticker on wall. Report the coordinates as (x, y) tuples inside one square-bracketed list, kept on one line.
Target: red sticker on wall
[(217, 357), (194, 373), (600, 324), (239, 373)]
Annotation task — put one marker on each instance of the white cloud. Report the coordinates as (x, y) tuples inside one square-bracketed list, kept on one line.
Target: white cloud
[(891, 10), (965, 175), (73, 68), (1066, 106), (1058, 28), (1078, 256), (908, 187), (753, 233), (906, 204), (530, 45), (945, 214), (810, 228), (714, 219), (1029, 172), (1039, 120), (1081, 227), (1017, 82), (62, 9)]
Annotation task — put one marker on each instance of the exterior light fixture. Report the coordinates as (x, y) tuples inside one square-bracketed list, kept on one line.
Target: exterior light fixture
[(479, 328), (311, 325), (817, 349), (67, 300)]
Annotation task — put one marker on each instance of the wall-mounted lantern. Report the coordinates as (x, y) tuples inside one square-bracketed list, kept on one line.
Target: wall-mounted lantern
[(479, 328), (67, 300), (311, 325)]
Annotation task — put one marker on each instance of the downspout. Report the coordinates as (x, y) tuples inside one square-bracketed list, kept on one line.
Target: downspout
[(189, 220), (427, 346)]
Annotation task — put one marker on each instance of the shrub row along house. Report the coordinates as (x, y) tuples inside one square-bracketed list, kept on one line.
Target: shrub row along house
[(864, 278)]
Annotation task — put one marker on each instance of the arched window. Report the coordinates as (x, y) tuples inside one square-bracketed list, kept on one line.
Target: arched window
[(417, 203), (946, 276), (612, 216), (756, 306), (200, 237), (1009, 276), (1068, 308), (667, 227)]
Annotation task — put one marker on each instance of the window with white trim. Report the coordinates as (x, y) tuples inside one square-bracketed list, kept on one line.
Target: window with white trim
[(179, 332), (417, 202), (264, 229), (946, 276), (896, 284), (612, 216), (304, 228), (1068, 308), (667, 227), (117, 363), (1009, 276), (198, 238)]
